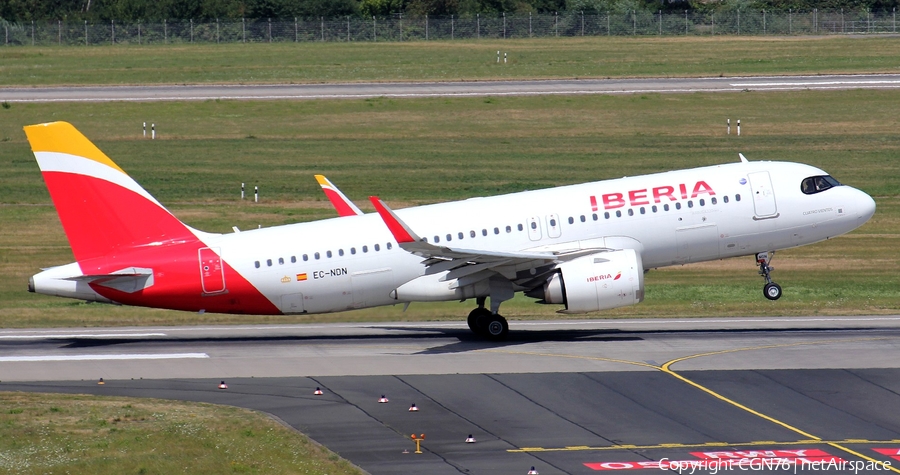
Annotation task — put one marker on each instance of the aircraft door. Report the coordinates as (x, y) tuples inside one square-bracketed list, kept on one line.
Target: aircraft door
[(534, 228), (553, 226), (292, 303), (763, 194), (212, 273)]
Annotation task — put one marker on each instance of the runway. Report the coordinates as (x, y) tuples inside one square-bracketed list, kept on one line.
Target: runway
[(448, 89), (571, 397)]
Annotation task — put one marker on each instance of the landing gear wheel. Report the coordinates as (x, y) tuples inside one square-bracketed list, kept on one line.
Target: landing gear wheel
[(772, 291), (497, 328), (477, 321)]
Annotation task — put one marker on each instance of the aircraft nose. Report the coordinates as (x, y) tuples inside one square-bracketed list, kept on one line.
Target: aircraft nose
[(865, 207)]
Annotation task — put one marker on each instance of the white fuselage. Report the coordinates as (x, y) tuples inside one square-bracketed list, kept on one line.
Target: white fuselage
[(669, 218)]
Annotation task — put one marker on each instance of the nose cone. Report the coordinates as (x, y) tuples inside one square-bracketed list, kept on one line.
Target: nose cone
[(865, 206)]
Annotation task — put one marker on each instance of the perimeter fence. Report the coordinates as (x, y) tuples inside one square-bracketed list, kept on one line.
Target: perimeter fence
[(398, 28)]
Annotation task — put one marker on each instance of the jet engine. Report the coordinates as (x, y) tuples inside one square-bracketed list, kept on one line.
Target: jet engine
[(596, 282)]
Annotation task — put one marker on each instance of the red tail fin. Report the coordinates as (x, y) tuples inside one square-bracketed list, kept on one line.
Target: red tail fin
[(103, 211)]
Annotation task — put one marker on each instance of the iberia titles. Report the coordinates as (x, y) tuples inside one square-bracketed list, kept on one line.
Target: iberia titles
[(648, 196)]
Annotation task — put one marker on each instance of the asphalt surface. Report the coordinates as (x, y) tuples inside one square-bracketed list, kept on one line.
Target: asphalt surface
[(565, 397), (444, 89)]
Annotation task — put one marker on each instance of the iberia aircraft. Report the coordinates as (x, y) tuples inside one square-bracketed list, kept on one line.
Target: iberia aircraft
[(584, 247)]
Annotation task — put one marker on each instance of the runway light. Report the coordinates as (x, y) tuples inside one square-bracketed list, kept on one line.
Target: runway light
[(413, 408), (532, 471), (101, 381), (318, 392), (470, 439), (382, 399), (222, 385)]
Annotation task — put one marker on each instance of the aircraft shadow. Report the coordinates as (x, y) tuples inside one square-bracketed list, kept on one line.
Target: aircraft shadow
[(465, 339)]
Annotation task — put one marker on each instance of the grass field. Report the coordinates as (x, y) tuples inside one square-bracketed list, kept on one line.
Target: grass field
[(65, 434), (592, 57), (428, 150)]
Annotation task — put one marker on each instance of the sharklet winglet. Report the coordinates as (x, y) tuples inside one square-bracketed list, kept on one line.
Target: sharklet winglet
[(402, 233)]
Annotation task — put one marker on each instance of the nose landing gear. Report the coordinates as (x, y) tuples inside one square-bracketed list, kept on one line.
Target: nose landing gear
[(771, 290)]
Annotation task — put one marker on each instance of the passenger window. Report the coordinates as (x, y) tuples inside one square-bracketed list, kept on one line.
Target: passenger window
[(281, 261), (377, 247), (437, 239), (713, 200), (352, 250), (618, 214), (533, 225), (583, 219), (595, 216), (269, 262), (449, 237), (677, 205), (553, 223), (460, 235), (571, 220), (737, 197), (328, 253), (606, 215), (508, 229), (484, 232), (690, 204), (496, 230), (293, 259), (643, 211), (521, 228), (340, 252), (471, 233), (666, 207), (725, 199), (305, 257), (365, 248), (702, 203), (256, 264), (316, 255), (630, 212), (390, 246), (653, 208)]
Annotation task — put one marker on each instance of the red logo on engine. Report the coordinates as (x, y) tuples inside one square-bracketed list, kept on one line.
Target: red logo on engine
[(598, 278)]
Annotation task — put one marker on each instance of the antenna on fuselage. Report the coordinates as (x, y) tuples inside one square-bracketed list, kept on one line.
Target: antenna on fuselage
[(743, 158)]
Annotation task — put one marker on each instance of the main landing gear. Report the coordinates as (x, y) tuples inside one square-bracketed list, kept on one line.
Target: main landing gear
[(771, 290), (486, 323)]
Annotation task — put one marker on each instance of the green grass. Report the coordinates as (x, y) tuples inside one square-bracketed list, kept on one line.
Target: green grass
[(428, 150), (58, 433), (592, 57)]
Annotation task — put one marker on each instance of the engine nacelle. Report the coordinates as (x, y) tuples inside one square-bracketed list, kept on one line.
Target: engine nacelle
[(596, 282)]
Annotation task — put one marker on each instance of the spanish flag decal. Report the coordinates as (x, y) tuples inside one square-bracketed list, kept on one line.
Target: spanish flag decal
[(301, 277)]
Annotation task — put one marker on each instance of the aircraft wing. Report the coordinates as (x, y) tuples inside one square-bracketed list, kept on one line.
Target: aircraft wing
[(472, 265), (341, 203)]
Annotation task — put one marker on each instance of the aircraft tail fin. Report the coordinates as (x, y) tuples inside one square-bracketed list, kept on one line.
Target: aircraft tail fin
[(102, 209)]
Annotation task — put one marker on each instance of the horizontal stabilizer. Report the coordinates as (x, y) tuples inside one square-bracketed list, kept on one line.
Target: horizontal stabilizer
[(129, 280)]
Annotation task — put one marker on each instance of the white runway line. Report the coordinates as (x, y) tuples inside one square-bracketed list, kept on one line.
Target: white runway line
[(63, 336), (159, 356)]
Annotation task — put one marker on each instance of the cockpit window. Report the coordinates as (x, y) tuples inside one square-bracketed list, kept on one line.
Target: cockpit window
[(816, 184)]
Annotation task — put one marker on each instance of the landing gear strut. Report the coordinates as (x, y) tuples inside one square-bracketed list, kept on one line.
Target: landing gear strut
[(771, 290), (486, 323)]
